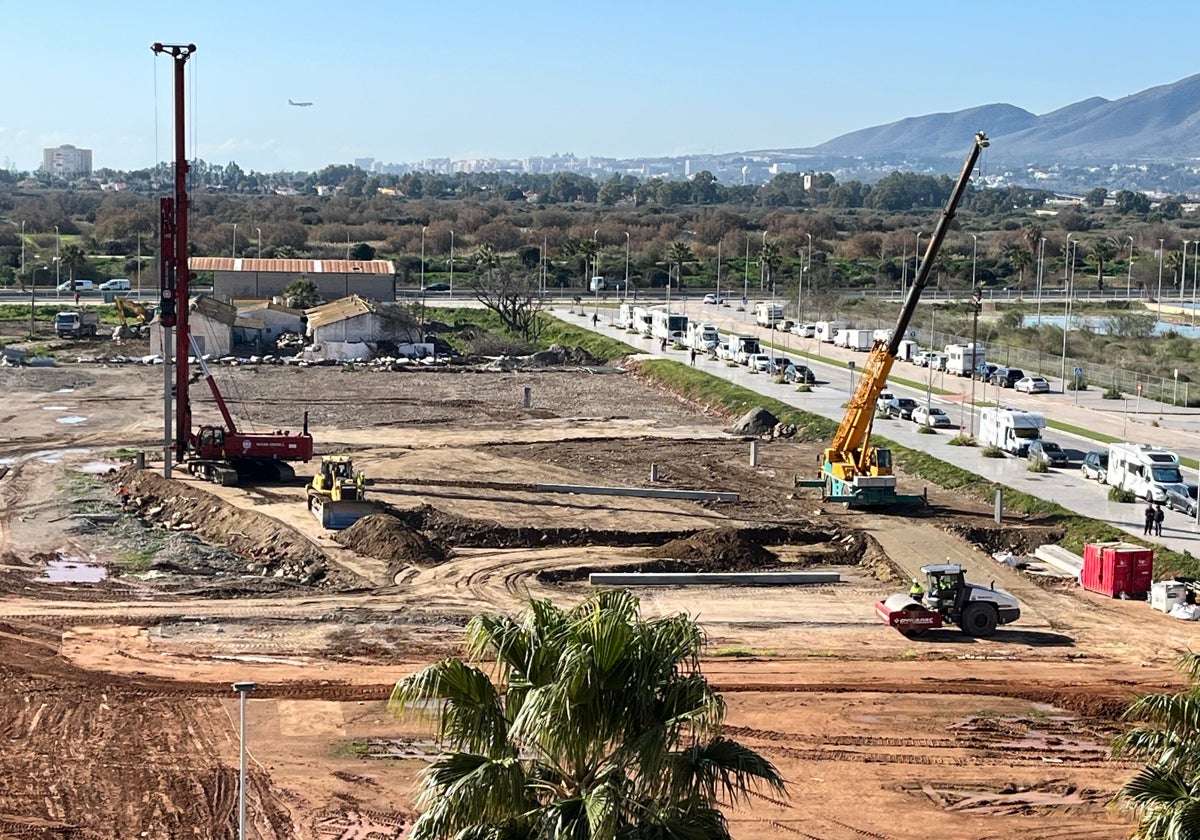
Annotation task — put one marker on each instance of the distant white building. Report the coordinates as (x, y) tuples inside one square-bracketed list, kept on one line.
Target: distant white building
[(67, 161)]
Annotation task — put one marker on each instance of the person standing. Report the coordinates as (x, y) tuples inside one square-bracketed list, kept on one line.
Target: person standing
[(77, 298), (916, 591), (1158, 520), (1149, 529), (693, 355)]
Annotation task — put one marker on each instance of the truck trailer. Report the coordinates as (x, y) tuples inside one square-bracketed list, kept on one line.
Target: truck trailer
[(78, 324)]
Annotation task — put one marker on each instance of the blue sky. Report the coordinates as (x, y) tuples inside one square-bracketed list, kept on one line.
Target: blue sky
[(402, 81)]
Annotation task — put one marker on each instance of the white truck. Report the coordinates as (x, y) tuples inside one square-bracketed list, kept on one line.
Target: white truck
[(1144, 470), (961, 359), (76, 324), (742, 347), (1010, 429), (907, 351), (669, 325), (827, 330), (703, 338), (857, 339), (768, 314)]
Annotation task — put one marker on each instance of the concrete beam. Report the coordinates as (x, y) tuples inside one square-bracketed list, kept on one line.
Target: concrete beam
[(642, 492), (711, 578)]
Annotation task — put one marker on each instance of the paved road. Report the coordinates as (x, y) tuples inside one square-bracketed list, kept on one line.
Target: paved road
[(1066, 486)]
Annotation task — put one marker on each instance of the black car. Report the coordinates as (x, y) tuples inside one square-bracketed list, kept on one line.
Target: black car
[(800, 374), (1182, 497), (1048, 452), (984, 371), (1006, 377), (438, 287), (901, 408)]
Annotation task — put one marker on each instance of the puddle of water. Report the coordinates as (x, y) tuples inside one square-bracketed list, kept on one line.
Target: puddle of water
[(65, 391), (56, 408), (98, 467), (73, 570), (55, 456), (71, 420)]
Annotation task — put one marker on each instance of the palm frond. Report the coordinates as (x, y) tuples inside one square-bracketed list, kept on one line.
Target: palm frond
[(469, 713), (723, 770), (461, 790)]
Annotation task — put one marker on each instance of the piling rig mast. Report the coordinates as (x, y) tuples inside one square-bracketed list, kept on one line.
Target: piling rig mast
[(221, 454)]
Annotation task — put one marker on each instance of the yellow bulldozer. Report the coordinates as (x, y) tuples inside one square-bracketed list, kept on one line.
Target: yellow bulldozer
[(336, 495), (141, 316)]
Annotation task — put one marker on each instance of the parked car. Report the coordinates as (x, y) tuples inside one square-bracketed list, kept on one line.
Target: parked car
[(805, 330), (984, 371), (1048, 452), (1006, 377), (1032, 385), (784, 325), (714, 299), (937, 361), (901, 408), (881, 404), (1182, 497), (759, 361), (799, 374), (77, 285), (931, 416), (778, 365), (923, 356), (438, 287), (1095, 465)]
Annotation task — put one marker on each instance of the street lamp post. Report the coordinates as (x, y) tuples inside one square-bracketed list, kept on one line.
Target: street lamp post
[(259, 231), (422, 259), (1183, 270), (625, 288), (1195, 265), (1160, 269), (976, 303), (1070, 281), (57, 266), (22, 248), (746, 278), (139, 266), (807, 267), (545, 245), (596, 261), (242, 688), (762, 265), (1040, 274), (1129, 275), (33, 296), (233, 250), (451, 263)]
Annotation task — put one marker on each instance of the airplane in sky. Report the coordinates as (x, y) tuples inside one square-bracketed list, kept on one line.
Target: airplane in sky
[(299, 104)]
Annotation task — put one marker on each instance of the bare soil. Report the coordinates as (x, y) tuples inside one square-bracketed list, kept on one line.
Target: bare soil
[(123, 625)]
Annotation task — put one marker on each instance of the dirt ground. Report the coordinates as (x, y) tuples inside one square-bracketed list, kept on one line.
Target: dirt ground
[(122, 627)]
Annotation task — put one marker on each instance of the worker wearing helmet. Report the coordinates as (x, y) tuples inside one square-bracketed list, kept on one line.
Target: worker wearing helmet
[(916, 591)]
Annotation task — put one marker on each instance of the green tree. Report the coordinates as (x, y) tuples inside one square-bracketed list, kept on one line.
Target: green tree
[(586, 250), (1165, 794), (678, 254), (1096, 197), (487, 260), (600, 727), (772, 258), (1127, 202), (72, 258), (1102, 251), (302, 294), (362, 251)]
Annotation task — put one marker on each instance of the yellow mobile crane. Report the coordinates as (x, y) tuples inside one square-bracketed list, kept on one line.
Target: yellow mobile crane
[(853, 470)]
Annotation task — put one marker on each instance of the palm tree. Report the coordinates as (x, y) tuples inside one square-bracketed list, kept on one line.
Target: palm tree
[(1020, 259), (586, 248), (677, 255), (1165, 794), (772, 258), (72, 257), (487, 259), (1033, 233), (1102, 250), (601, 727)]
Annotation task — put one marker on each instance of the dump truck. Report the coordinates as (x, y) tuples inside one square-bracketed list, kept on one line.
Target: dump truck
[(76, 324)]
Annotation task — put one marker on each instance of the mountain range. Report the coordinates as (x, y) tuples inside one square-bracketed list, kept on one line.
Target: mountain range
[(1160, 124)]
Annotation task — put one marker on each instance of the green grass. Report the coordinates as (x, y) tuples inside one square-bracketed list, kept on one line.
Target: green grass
[(554, 331), (741, 652)]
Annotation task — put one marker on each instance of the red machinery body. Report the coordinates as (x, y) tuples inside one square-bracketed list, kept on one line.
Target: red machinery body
[(224, 454), (1117, 569), (909, 617)]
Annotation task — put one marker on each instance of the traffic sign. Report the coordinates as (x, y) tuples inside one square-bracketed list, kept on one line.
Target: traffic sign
[(1078, 371), (850, 364)]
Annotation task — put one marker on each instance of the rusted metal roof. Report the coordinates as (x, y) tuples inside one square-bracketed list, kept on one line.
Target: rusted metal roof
[(339, 310), (292, 266)]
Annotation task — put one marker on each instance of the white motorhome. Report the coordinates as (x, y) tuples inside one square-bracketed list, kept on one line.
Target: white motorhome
[(857, 339), (625, 316), (640, 320), (768, 314), (882, 335), (907, 351), (1144, 470), (963, 358), (827, 330), (703, 338), (669, 325), (1010, 429), (742, 347)]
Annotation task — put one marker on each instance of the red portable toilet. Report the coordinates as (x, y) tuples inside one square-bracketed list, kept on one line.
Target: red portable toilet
[(1117, 567)]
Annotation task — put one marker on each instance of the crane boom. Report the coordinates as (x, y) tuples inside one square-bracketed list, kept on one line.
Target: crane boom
[(854, 470)]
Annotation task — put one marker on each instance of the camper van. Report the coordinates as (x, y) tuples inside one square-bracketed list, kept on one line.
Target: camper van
[(597, 285), (625, 316), (669, 325), (961, 359), (641, 320), (742, 347), (827, 330), (1146, 471), (703, 338), (768, 314), (1010, 429)]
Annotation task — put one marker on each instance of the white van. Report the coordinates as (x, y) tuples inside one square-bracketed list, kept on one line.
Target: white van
[(118, 285), (80, 286), (598, 284)]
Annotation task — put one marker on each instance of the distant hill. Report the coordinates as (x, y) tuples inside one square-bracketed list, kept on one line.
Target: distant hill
[(1159, 124)]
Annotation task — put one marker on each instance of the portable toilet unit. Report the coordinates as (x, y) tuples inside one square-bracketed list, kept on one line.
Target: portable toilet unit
[(1166, 594), (1117, 568)]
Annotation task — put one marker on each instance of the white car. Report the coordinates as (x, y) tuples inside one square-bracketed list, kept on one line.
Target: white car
[(881, 404), (710, 298), (1032, 385), (760, 362), (931, 416), (805, 330)]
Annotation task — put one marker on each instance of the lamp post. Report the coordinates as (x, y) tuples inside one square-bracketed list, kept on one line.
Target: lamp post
[(596, 261), (976, 304), (422, 259), (1070, 281), (1067, 257), (259, 231), (1183, 270), (1160, 268), (545, 245), (1195, 264), (746, 278), (1129, 275), (22, 248), (625, 289), (347, 245), (233, 250), (242, 688), (1040, 273), (139, 266), (762, 265), (451, 263), (57, 266), (807, 267), (33, 296)]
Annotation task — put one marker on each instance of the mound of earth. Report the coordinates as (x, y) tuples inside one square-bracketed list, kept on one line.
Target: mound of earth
[(561, 355), (718, 550), (391, 540), (756, 421)]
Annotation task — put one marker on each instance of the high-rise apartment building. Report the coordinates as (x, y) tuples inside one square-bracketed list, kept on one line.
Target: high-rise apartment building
[(67, 161)]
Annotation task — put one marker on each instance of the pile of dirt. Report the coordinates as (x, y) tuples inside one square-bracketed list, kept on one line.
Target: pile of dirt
[(559, 354), (1020, 540), (757, 422), (388, 538), (873, 559), (718, 550)]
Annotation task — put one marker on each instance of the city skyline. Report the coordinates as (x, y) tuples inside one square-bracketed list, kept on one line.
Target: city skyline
[(534, 80)]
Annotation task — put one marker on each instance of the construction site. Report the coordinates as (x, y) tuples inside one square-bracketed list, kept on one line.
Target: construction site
[(167, 532)]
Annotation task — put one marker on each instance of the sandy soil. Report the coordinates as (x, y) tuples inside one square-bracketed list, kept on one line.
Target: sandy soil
[(119, 720)]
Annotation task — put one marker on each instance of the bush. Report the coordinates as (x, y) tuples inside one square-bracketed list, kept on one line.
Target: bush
[(992, 451), (925, 430), (962, 440), (779, 380), (1071, 386), (1038, 467), (1112, 393), (1125, 497), (803, 389)]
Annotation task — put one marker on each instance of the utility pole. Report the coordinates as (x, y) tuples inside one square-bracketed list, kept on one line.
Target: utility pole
[(977, 300)]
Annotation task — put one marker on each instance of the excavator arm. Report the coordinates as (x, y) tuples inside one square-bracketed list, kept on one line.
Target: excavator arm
[(851, 464)]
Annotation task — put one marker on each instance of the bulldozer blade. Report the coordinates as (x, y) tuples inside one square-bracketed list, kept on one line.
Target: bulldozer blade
[(337, 516)]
